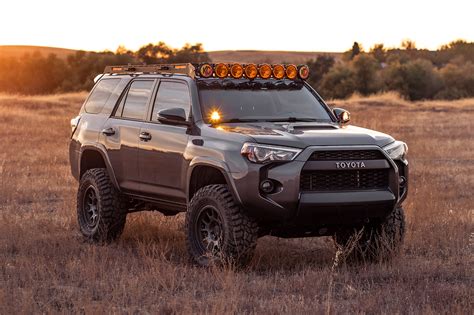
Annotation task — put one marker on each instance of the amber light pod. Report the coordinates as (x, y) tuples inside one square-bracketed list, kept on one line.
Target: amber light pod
[(291, 72), (265, 71), (215, 116), (221, 70), (236, 71), (206, 70), (251, 71), (278, 71), (303, 72)]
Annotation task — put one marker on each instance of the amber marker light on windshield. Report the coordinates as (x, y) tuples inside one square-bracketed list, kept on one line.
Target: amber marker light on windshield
[(251, 71), (236, 71), (221, 70), (265, 71), (215, 117), (291, 72), (278, 72)]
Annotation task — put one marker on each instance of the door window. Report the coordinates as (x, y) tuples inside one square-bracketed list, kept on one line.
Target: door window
[(135, 104), (171, 95)]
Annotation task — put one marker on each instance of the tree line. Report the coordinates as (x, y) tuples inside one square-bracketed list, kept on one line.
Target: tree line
[(447, 73), (37, 74)]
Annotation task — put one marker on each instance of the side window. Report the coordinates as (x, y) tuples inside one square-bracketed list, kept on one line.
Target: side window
[(100, 95), (171, 95), (135, 104)]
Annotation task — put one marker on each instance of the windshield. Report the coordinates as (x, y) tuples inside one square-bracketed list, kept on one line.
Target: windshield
[(242, 101)]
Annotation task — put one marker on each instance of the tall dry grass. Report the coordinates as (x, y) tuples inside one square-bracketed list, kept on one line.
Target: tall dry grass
[(46, 268)]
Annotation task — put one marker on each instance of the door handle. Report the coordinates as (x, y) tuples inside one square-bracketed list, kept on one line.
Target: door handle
[(108, 131), (145, 136)]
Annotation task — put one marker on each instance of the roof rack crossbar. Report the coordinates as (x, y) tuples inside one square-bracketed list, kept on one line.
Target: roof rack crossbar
[(183, 68)]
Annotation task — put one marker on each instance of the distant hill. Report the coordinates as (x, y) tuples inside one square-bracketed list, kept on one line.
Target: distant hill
[(255, 56), (261, 56), (12, 51)]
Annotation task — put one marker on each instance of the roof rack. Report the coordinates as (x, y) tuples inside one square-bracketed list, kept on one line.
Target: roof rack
[(183, 68)]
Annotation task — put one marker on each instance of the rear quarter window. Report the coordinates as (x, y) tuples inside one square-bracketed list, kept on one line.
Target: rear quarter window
[(99, 95)]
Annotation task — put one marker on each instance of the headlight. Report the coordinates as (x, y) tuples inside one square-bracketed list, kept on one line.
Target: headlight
[(258, 153), (396, 150)]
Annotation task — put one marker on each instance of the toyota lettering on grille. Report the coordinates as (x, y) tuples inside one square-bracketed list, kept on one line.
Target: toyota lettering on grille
[(352, 164)]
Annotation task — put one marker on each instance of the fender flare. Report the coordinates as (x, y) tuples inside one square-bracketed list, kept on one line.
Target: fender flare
[(102, 151), (219, 165)]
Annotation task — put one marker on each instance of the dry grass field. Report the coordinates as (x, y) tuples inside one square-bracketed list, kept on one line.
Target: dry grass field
[(45, 267)]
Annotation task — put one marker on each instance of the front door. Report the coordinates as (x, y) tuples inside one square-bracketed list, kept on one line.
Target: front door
[(162, 163), (121, 133)]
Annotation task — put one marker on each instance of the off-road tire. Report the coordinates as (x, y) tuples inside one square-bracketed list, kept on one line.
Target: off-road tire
[(111, 208), (380, 242), (239, 231)]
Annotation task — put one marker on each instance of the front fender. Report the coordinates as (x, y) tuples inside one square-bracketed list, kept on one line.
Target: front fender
[(221, 166)]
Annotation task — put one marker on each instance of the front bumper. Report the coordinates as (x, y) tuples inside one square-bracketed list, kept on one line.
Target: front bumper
[(288, 205)]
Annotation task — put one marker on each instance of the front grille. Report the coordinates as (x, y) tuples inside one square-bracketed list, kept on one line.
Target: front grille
[(345, 155), (344, 180)]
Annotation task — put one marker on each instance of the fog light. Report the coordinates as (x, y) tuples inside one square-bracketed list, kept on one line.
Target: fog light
[(267, 186)]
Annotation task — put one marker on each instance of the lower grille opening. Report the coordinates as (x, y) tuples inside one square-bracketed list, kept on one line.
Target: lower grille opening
[(344, 180)]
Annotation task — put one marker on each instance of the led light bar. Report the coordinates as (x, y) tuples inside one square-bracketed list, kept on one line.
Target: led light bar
[(252, 71), (220, 70)]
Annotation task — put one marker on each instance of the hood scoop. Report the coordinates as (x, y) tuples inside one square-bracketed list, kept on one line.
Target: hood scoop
[(304, 127)]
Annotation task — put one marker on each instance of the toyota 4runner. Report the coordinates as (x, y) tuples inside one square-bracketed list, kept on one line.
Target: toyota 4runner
[(245, 150)]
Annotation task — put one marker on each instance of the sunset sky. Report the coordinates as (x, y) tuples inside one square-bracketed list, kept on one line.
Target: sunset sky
[(330, 25)]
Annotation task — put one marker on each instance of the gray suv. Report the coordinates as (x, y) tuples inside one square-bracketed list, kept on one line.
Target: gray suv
[(245, 150)]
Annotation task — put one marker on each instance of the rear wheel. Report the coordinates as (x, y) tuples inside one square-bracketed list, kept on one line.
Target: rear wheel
[(217, 229), (374, 242), (101, 211)]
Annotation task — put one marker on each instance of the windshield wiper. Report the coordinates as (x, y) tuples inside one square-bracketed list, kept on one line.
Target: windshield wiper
[(283, 119), (240, 120), (298, 119)]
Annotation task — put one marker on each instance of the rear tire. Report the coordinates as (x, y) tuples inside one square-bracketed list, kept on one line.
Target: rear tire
[(101, 211), (379, 242), (217, 229)]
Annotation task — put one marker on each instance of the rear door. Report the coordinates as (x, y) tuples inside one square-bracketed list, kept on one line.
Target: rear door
[(162, 163), (121, 132)]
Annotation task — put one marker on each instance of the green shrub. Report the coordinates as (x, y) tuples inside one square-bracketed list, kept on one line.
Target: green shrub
[(416, 80), (338, 82), (365, 73), (458, 80)]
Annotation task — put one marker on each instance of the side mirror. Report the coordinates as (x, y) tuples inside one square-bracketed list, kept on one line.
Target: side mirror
[(342, 115), (173, 116)]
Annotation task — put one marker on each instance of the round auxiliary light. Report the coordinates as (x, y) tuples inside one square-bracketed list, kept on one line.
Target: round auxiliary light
[(215, 116), (251, 71), (291, 72), (221, 70), (303, 72), (278, 72), (265, 71), (236, 71), (205, 70)]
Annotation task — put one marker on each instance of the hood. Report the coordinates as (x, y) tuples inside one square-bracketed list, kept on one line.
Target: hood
[(302, 135)]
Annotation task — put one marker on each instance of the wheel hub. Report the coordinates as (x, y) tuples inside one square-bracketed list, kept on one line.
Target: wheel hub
[(91, 207), (210, 230)]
